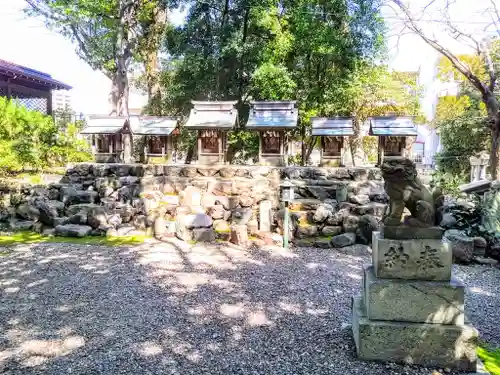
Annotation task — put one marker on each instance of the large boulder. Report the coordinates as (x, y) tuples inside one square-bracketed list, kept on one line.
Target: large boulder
[(366, 226), (344, 239), (307, 230), (97, 217), (360, 199), (160, 227), (241, 216), (350, 223), (48, 211), (462, 246), (246, 200), (331, 230), (448, 221), (27, 211), (221, 226), (70, 195), (197, 221), (216, 211), (73, 230), (323, 212), (480, 245), (79, 218), (85, 207), (21, 225), (126, 211), (114, 220), (338, 217), (203, 235)]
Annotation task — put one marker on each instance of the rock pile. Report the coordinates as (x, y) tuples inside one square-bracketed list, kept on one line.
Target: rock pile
[(200, 203)]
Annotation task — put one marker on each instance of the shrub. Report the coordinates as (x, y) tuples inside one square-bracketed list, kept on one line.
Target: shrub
[(29, 139)]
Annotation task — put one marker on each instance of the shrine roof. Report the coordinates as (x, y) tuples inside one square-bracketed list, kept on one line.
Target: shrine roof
[(332, 126), (20, 72), (393, 126), (212, 115), (102, 124), (272, 115), (153, 125)]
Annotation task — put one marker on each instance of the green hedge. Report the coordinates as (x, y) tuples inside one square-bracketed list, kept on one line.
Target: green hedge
[(29, 139)]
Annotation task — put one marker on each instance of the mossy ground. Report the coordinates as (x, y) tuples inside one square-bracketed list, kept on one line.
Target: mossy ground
[(31, 237), (490, 358)]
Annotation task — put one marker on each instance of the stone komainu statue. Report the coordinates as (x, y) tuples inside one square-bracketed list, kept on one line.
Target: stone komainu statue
[(406, 190)]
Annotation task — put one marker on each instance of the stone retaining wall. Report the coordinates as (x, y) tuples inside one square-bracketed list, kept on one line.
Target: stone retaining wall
[(123, 198)]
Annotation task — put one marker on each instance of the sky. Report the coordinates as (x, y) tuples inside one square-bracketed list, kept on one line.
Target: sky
[(26, 41)]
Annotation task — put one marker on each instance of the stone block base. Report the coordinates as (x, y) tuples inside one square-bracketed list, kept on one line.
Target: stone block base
[(417, 259), (432, 345), (416, 301)]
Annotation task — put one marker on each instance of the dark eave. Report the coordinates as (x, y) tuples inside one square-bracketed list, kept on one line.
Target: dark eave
[(20, 72)]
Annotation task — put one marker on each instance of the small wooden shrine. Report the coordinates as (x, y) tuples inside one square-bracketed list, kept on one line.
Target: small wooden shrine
[(272, 120), (158, 133), (333, 132), (111, 138), (396, 136), (212, 120)]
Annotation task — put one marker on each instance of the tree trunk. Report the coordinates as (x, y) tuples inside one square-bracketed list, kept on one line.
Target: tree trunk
[(495, 148), (356, 143), (155, 36), (493, 109), (242, 62)]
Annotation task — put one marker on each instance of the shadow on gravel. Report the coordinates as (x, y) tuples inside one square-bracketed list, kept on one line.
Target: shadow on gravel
[(172, 308)]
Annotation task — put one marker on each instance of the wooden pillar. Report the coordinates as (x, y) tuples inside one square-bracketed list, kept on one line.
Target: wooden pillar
[(341, 161), (145, 150), (49, 103), (9, 89), (381, 150), (127, 147), (283, 148), (260, 148), (220, 158), (169, 147), (198, 151)]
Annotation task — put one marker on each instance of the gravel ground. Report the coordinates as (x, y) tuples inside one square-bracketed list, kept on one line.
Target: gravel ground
[(172, 308)]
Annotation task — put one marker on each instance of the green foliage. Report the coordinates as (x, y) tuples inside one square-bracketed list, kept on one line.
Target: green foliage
[(273, 82), (490, 358), (462, 127), (31, 140), (370, 148), (31, 237), (448, 182), (244, 50), (244, 146)]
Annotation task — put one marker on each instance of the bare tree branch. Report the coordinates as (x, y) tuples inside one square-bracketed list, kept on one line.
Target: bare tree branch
[(491, 69), (456, 62)]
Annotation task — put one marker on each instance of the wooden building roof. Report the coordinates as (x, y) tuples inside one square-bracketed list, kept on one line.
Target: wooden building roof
[(153, 125), (102, 124), (272, 115), (28, 77), (393, 126), (212, 115), (332, 126)]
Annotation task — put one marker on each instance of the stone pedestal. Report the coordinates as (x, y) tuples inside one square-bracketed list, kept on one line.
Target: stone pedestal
[(411, 310)]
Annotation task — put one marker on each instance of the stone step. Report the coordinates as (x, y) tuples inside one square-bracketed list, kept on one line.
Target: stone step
[(430, 345), (439, 302)]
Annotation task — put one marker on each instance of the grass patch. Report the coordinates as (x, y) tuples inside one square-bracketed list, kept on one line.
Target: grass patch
[(490, 358), (31, 237), (223, 230)]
